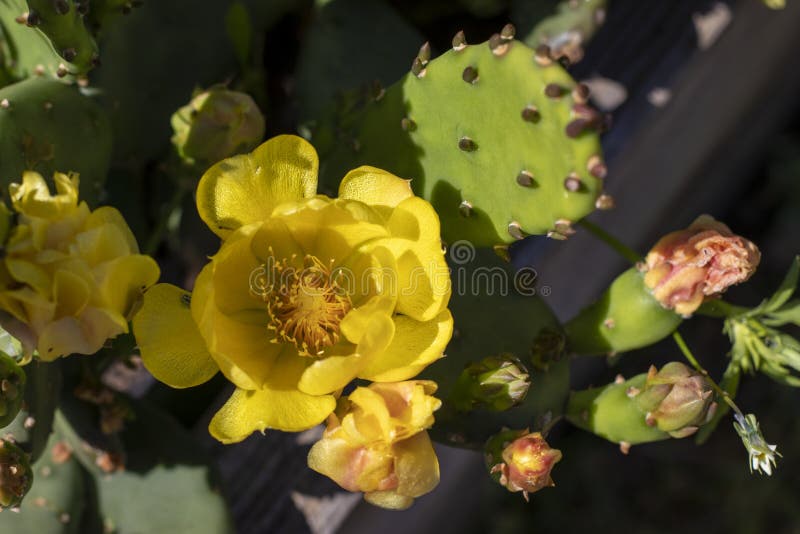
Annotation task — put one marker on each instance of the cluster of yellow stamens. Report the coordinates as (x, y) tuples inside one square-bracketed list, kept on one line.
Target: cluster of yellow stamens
[(305, 305)]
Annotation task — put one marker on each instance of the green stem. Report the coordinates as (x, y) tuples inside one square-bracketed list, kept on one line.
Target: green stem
[(676, 336), (157, 236), (621, 248), (720, 309)]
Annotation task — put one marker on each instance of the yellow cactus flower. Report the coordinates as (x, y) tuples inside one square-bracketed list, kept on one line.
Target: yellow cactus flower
[(688, 266), (71, 277), (376, 442), (305, 294)]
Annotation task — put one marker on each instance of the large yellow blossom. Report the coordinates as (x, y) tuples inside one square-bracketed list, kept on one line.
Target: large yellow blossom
[(70, 276), (305, 294), (376, 442)]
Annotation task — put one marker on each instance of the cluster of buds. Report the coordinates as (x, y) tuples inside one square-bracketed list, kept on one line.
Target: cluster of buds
[(216, 124), (521, 461), (686, 267), (16, 475), (495, 383), (676, 399)]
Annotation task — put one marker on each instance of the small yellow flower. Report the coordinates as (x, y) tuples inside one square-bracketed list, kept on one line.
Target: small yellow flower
[(687, 266), (306, 292), (71, 277), (376, 442)]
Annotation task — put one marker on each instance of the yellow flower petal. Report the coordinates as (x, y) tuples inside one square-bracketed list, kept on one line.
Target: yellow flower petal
[(108, 215), (245, 189), (171, 346), (29, 273), (331, 229), (375, 187), (332, 373), (71, 293), (122, 281), (242, 349), (33, 198), (415, 346), (416, 466), (235, 265), (85, 334), (390, 500), (278, 405)]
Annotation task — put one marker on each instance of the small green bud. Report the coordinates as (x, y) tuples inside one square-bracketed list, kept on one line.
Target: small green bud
[(16, 475), (495, 383), (216, 124), (12, 388), (675, 399)]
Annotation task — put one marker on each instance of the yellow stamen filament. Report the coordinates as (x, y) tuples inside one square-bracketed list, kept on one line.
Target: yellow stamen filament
[(306, 306)]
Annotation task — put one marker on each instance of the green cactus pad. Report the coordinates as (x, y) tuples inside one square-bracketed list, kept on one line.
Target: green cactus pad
[(33, 425), (497, 137), (47, 126), (55, 503), (62, 23)]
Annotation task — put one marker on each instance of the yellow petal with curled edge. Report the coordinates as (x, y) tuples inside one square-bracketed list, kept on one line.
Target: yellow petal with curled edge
[(423, 275), (416, 466), (278, 405), (33, 198), (375, 187), (415, 345), (171, 346), (245, 189)]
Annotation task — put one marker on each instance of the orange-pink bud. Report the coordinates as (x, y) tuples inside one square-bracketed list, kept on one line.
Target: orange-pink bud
[(688, 266), (526, 464)]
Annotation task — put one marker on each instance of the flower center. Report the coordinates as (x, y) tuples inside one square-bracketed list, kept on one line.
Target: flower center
[(306, 306)]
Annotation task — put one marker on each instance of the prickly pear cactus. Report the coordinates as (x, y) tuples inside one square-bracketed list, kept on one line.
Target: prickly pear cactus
[(527, 325), (61, 21), (33, 425), (48, 126), (26, 52), (497, 137)]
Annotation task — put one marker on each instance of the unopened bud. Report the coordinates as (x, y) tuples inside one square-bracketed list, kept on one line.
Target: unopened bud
[(16, 475), (688, 266), (12, 387), (676, 399), (216, 124), (521, 461), (495, 383)]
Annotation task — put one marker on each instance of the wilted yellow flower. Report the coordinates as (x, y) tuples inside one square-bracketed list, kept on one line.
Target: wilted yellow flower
[(522, 461), (376, 442), (306, 292), (687, 266), (70, 276)]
